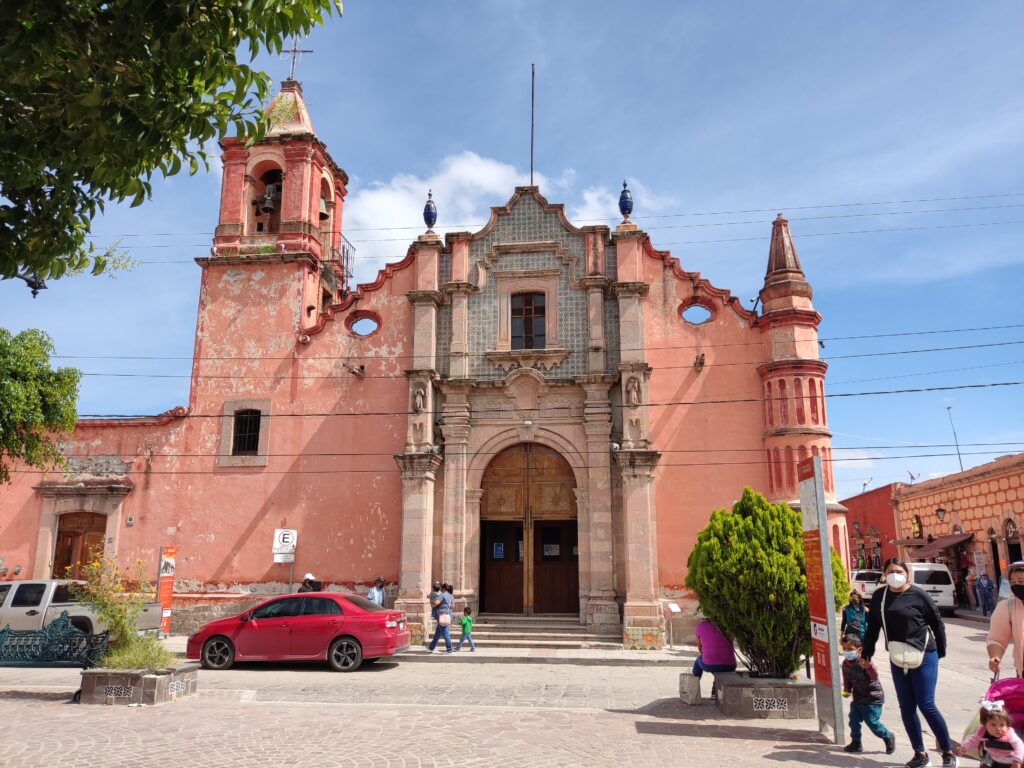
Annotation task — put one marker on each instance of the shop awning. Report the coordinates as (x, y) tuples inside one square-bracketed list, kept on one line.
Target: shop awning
[(933, 547), (910, 542)]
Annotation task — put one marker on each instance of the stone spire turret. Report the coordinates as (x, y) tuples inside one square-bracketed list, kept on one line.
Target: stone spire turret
[(288, 114), (785, 286)]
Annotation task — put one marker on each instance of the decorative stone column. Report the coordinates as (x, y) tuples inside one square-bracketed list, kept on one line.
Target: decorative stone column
[(643, 624), (455, 525), (419, 471), (597, 561)]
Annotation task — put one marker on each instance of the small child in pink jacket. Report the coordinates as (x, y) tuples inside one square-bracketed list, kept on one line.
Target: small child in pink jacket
[(996, 741)]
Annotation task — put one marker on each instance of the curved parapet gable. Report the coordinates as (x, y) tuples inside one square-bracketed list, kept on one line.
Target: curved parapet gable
[(506, 210), (360, 292), (700, 284)]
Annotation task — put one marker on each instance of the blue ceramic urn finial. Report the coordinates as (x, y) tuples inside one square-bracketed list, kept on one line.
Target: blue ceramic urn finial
[(430, 212), (625, 202)]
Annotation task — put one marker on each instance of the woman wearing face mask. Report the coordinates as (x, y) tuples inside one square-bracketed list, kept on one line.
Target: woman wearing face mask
[(909, 617), (1007, 624), (855, 620)]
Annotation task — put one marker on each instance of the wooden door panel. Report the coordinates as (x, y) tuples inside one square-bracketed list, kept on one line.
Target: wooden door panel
[(502, 567), (556, 567)]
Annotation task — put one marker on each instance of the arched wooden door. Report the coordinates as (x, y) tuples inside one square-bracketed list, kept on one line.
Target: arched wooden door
[(529, 559), (78, 535)]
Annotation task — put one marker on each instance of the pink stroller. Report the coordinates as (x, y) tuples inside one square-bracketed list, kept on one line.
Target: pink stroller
[(1010, 691)]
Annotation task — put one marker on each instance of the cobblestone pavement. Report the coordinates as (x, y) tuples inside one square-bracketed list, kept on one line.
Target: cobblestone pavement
[(389, 715)]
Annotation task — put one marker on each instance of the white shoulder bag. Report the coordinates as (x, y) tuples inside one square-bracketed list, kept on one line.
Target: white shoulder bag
[(903, 655)]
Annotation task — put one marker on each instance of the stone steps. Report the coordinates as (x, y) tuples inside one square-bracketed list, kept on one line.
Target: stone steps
[(541, 632)]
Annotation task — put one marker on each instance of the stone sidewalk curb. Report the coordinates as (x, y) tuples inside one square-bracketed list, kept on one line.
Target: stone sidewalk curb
[(678, 656)]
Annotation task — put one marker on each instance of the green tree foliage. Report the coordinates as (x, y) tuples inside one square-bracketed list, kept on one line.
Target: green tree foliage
[(748, 572), (98, 96), (36, 402)]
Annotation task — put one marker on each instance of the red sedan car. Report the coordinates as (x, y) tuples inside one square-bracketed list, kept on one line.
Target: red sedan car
[(345, 629)]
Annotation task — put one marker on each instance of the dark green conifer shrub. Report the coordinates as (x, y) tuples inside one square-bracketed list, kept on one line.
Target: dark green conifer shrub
[(747, 569)]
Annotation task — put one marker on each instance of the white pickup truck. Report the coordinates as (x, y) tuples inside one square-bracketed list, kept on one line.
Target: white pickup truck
[(31, 605)]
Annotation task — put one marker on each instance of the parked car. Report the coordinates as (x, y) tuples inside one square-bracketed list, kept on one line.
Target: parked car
[(345, 629), (865, 581), (937, 581), (31, 605)]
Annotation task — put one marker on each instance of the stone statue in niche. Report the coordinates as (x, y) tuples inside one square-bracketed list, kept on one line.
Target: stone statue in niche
[(633, 391), (419, 400)]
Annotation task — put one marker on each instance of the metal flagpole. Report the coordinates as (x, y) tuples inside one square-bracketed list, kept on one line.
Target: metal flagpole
[(533, 81), (956, 441)]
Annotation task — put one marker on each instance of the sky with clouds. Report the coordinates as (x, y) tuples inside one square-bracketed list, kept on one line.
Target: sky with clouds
[(891, 135)]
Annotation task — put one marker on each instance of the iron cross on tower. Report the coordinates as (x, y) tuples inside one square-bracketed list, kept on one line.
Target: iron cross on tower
[(295, 53)]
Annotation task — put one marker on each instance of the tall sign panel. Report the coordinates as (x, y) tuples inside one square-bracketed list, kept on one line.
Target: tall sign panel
[(821, 600), (165, 585)]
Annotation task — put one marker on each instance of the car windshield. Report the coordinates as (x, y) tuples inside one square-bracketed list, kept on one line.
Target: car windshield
[(362, 602)]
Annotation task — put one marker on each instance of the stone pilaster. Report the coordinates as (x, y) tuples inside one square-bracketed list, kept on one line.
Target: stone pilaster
[(596, 286), (597, 554), (419, 471), (643, 624), (455, 536)]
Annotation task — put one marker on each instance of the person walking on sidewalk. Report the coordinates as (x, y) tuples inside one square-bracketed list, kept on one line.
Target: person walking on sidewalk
[(441, 609), (855, 619), (466, 623), (1007, 624), (916, 639), (861, 681), (985, 589), (376, 593)]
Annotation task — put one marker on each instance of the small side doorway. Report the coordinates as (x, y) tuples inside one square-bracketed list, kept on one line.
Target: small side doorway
[(502, 566), (78, 535)]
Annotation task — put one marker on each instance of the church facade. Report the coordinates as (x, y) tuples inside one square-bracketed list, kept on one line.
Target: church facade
[(530, 412)]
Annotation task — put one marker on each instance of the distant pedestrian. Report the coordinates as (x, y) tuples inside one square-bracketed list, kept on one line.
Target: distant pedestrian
[(986, 591), (972, 593), (855, 618), (861, 681), (916, 639), (996, 741), (714, 650), (376, 593), (441, 610), (466, 623), (309, 584)]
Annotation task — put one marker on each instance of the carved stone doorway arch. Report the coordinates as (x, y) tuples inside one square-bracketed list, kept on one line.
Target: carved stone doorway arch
[(529, 537)]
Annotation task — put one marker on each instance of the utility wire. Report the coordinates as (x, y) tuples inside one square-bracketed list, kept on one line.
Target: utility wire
[(226, 471), (554, 408), (705, 346), (677, 215)]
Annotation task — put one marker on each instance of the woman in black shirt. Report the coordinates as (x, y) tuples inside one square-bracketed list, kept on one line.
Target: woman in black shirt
[(910, 617)]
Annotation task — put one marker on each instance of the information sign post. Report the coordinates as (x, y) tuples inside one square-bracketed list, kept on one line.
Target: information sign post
[(821, 600), (285, 542)]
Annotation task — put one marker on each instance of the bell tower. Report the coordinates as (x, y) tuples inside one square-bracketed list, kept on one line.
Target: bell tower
[(793, 379), (284, 194)]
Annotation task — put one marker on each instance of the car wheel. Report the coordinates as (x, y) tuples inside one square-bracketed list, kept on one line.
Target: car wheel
[(345, 655), (218, 653)]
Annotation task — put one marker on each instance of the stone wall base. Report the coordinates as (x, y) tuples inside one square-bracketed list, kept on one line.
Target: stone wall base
[(186, 619), (138, 686), (765, 697)]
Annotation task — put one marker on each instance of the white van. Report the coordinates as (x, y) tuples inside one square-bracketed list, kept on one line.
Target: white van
[(936, 580)]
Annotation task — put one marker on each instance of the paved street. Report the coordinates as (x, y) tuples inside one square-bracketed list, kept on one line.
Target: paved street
[(415, 714)]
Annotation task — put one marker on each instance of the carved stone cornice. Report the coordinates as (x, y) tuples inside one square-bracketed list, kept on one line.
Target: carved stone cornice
[(638, 366), (234, 260), (508, 359), (418, 466), (595, 281), (417, 298), (428, 374), (634, 288), (806, 430), (637, 463), (98, 487), (795, 365), (460, 287)]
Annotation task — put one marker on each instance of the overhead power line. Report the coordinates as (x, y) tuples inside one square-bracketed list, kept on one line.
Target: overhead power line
[(704, 346), (556, 408), (394, 469)]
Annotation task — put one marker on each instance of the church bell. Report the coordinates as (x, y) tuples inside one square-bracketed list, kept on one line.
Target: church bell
[(324, 215)]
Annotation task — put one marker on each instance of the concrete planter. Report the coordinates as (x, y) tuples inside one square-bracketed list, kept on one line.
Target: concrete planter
[(139, 686), (764, 697)]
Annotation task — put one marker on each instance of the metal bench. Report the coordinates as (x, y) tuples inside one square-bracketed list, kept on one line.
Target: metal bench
[(57, 643)]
